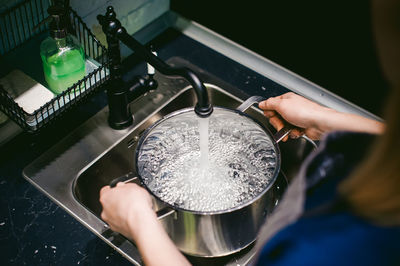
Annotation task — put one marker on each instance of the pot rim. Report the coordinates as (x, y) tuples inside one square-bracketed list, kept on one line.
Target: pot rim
[(243, 205)]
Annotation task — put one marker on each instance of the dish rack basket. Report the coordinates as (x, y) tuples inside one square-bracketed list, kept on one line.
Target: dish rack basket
[(20, 26)]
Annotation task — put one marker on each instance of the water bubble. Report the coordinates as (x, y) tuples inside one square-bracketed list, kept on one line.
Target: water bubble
[(224, 133)]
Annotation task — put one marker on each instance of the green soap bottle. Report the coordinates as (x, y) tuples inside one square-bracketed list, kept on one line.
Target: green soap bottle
[(62, 55)]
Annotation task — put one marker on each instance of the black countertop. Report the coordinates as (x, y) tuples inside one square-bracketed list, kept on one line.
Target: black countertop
[(36, 231)]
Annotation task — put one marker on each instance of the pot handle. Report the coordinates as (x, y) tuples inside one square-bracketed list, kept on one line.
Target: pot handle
[(161, 213), (125, 179), (249, 102), (164, 212), (281, 134)]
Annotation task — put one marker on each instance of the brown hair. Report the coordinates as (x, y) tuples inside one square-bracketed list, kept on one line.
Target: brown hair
[(373, 190)]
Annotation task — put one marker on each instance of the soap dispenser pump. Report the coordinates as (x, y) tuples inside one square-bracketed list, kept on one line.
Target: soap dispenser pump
[(62, 55)]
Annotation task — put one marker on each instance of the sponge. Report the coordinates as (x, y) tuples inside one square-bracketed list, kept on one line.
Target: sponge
[(27, 93)]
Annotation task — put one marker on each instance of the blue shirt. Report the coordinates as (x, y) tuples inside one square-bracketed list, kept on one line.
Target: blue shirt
[(334, 236)]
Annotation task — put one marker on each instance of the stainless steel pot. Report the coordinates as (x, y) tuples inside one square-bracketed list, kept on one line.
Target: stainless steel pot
[(219, 233)]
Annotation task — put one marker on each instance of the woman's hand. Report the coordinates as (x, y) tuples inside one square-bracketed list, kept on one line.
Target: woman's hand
[(296, 110), (313, 119), (126, 207)]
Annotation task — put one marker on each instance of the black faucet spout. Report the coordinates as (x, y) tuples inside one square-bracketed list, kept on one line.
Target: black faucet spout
[(112, 27)]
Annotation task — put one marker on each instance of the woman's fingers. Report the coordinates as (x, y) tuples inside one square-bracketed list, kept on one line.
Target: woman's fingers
[(119, 184), (271, 104), (270, 107), (296, 133), (104, 190), (269, 114), (276, 122)]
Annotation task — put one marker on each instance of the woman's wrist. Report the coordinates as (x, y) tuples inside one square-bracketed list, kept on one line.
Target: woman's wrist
[(140, 220), (330, 120), (324, 119)]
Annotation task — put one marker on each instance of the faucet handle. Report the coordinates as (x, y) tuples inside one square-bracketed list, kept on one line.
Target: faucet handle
[(109, 22), (150, 69), (110, 14)]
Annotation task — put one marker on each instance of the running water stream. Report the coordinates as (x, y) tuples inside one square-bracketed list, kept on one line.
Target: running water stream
[(203, 134)]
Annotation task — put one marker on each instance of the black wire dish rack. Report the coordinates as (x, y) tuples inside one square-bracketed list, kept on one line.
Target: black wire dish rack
[(20, 38)]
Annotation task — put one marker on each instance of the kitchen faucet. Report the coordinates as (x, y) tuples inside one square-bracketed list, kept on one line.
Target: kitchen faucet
[(119, 113)]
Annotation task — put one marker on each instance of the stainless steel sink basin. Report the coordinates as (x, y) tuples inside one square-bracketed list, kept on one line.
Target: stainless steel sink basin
[(73, 171), (119, 160)]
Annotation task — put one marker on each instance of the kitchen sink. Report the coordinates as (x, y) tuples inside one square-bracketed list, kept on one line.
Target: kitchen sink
[(74, 170), (120, 159)]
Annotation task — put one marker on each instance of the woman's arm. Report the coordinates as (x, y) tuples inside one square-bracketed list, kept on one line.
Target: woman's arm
[(312, 118), (127, 209)]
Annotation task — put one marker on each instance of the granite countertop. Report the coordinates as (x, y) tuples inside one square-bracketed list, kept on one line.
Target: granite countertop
[(36, 231)]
